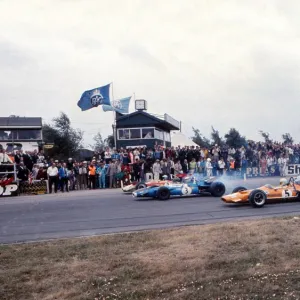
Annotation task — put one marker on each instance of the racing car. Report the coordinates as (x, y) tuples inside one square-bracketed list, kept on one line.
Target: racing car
[(141, 185), (258, 197), (190, 186)]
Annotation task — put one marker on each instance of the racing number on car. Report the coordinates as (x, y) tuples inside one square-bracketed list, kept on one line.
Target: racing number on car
[(286, 194), (186, 190)]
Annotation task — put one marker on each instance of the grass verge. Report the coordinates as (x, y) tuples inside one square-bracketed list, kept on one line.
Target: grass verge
[(246, 260)]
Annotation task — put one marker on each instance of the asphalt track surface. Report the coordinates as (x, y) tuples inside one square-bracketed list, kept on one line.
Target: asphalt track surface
[(88, 213)]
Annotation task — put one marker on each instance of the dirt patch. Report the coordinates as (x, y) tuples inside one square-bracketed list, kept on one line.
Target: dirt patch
[(246, 260)]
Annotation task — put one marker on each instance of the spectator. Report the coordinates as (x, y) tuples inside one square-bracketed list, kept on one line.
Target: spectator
[(23, 172), (156, 169), (52, 173), (92, 175), (136, 170), (42, 173), (192, 166), (63, 178), (208, 168), (221, 166)]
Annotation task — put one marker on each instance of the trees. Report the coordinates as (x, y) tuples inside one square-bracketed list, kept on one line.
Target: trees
[(67, 140), (215, 136), (99, 144), (199, 139), (234, 139), (110, 141), (266, 136), (287, 139)]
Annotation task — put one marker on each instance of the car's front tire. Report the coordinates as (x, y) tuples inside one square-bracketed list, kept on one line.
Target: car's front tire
[(163, 193), (257, 198), (238, 189), (217, 189), (141, 186)]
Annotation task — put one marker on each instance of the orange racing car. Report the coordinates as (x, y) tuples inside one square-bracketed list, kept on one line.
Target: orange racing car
[(258, 197)]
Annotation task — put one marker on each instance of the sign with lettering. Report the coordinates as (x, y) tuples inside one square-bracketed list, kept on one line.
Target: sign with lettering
[(9, 190)]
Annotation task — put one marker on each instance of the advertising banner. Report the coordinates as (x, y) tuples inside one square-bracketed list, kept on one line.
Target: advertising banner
[(9, 190), (257, 172), (293, 170)]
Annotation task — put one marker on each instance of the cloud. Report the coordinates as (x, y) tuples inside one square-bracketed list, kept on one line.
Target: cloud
[(140, 54), (12, 56), (221, 63)]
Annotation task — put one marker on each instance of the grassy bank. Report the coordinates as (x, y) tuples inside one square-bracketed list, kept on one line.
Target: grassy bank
[(247, 260)]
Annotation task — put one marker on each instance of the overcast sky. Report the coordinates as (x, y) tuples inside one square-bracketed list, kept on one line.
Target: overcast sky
[(214, 62)]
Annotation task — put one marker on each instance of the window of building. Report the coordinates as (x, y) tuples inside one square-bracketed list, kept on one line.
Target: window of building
[(9, 135), (148, 133), (29, 134), (135, 133), (123, 134)]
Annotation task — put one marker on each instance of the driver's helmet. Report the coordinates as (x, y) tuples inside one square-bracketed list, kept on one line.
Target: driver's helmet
[(283, 181), (165, 177)]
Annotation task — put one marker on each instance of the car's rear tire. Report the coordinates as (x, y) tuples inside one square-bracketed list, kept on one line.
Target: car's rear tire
[(238, 189), (141, 185), (163, 193), (217, 189), (257, 198)]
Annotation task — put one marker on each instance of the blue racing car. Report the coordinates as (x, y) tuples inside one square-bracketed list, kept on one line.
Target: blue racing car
[(190, 186)]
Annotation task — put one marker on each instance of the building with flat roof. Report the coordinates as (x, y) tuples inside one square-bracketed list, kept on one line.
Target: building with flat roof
[(142, 129), (20, 133)]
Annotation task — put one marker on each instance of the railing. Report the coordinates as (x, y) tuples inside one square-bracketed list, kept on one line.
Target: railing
[(9, 172)]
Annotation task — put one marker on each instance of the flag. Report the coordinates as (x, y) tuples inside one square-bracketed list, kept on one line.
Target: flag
[(121, 106), (94, 98)]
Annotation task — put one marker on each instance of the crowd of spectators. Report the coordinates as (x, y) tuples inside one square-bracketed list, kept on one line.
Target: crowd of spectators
[(108, 167)]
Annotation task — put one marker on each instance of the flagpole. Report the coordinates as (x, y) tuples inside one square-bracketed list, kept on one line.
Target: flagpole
[(115, 117)]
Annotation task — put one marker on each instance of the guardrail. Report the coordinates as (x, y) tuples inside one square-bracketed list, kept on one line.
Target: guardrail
[(8, 172)]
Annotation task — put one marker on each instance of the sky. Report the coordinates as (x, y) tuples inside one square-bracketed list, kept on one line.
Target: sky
[(204, 62)]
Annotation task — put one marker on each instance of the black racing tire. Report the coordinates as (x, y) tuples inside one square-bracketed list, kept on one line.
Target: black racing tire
[(140, 185), (163, 193), (257, 198), (238, 189), (217, 189)]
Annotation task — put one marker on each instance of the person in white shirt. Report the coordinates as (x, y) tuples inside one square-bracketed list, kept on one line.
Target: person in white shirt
[(177, 168), (136, 154), (270, 163), (52, 173), (107, 155), (208, 168), (221, 164), (156, 169), (282, 162)]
